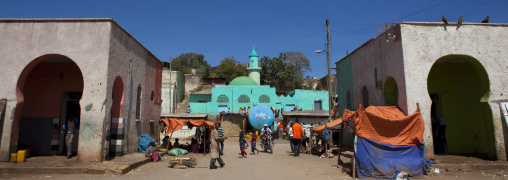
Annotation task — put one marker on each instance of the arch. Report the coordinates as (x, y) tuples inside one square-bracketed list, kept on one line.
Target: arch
[(459, 89), (264, 99), (223, 99), (117, 96), (365, 96), (48, 88), (391, 92), (243, 99)]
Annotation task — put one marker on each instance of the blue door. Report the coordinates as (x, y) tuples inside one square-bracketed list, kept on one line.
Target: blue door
[(223, 108), (290, 107)]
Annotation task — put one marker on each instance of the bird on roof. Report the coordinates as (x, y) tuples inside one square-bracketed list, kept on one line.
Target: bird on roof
[(445, 20), (486, 20), (460, 21)]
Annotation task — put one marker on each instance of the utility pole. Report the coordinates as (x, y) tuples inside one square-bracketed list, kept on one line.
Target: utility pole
[(329, 83)]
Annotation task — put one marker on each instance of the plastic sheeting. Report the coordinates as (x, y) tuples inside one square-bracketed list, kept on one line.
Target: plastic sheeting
[(144, 142), (380, 160), (387, 124), (178, 123)]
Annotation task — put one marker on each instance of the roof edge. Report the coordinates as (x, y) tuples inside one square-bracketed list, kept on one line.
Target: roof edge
[(15, 20)]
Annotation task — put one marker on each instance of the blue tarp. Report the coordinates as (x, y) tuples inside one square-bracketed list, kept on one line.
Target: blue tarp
[(380, 160), (144, 141)]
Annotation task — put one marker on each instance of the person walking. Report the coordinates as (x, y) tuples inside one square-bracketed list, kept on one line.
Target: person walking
[(280, 129), (253, 143), (221, 135), (297, 137), (215, 151), (290, 137), (72, 126), (243, 144)]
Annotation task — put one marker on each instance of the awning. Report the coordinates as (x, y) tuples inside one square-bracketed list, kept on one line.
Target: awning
[(320, 129), (179, 123)]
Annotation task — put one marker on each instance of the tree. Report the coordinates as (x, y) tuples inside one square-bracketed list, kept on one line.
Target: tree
[(285, 72), (319, 86), (187, 61), (230, 68)]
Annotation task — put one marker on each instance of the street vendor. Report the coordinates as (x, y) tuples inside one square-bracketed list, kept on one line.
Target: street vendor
[(152, 152)]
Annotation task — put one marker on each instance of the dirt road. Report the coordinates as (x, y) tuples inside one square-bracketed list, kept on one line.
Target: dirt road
[(279, 165)]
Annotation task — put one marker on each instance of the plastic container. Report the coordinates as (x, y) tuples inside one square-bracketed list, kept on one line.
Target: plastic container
[(14, 157), (21, 156)]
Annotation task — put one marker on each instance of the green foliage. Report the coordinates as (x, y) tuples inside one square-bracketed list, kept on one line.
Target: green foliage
[(308, 86), (187, 61), (285, 72), (319, 86), (230, 68)]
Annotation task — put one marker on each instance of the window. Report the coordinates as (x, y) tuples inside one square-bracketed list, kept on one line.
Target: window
[(365, 96), (264, 99), (138, 103), (317, 105), (391, 92), (223, 99), (243, 99), (151, 96)]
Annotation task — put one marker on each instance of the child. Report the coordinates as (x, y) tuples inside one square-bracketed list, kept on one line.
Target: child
[(243, 143), (253, 143)]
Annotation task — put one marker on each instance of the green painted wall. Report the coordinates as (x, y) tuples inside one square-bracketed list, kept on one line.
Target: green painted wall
[(345, 84), (461, 87), (303, 99)]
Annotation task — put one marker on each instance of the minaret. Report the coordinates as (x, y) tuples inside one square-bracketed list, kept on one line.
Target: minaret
[(254, 69)]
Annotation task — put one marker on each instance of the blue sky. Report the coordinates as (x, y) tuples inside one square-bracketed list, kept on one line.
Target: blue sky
[(231, 28)]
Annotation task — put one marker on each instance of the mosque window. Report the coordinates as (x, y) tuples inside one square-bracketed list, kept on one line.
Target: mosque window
[(243, 99), (223, 99), (264, 99)]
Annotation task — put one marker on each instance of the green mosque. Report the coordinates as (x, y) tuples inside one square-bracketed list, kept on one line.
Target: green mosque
[(245, 91)]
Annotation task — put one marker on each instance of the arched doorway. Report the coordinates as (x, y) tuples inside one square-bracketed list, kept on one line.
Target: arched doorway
[(391, 92), (116, 131), (459, 88), (48, 92)]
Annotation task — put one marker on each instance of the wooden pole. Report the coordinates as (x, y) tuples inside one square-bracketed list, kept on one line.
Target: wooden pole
[(167, 146), (204, 140), (339, 161)]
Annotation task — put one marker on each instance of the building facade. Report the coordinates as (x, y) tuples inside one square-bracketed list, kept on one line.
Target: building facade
[(91, 68), (244, 92), (454, 72)]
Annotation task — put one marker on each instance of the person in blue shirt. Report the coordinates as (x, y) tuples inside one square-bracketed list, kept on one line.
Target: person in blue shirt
[(243, 143)]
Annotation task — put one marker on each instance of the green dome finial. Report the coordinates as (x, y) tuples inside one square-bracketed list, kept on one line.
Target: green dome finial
[(253, 53)]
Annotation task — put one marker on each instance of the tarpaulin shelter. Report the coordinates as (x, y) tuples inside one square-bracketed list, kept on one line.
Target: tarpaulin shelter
[(175, 124), (386, 141), (321, 129)]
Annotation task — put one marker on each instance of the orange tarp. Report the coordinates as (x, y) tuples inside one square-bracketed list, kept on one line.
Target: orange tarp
[(320, 129), (387, 124), (178, 123)]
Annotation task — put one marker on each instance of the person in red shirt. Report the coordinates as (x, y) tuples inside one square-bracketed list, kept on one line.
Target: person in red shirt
[(297, 137)]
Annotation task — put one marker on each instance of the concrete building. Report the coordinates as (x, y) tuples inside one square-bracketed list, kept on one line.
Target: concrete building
[(244, 92), (455, 72), (92, 68)]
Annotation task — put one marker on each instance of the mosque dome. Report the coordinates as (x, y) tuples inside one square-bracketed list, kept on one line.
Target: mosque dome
[(243, 81)]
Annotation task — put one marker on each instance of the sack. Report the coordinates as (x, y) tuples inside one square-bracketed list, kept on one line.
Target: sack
[(182, 151), (221, 153), (174, 152)]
